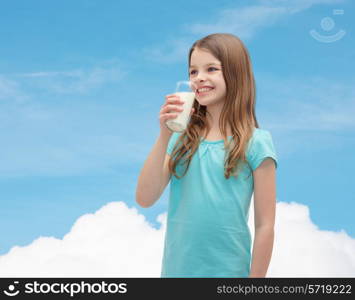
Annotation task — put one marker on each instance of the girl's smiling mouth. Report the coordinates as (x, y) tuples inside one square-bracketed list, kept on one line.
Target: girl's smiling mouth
[(204, 90)]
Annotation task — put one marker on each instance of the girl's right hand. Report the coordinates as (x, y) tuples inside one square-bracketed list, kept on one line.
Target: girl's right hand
[(169, 110)]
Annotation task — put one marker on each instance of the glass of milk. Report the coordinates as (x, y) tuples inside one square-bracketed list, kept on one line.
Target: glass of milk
[(186, 94)]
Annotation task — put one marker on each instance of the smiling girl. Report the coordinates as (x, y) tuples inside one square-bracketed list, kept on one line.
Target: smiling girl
[(215, 166)]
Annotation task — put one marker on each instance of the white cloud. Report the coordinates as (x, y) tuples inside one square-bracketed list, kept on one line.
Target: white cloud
[(308, 103), (114, 241), (170, 52), (117, 241), (75, 81), (298, 5), (302, 250), (10, 91), (244, 22)]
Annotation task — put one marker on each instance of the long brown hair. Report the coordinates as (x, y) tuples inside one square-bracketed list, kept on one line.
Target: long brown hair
[(238, 110)]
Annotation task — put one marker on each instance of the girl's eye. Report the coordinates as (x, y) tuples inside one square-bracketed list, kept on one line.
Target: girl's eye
[(192, 72)]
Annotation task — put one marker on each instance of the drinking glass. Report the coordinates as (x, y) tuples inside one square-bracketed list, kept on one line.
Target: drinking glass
[(185, 92)]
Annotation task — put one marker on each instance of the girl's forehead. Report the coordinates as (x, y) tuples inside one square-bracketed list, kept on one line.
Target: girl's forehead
[(202, 58)]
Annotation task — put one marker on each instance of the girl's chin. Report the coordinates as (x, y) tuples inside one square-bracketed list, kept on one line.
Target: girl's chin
[(203, 101), (207, 102)]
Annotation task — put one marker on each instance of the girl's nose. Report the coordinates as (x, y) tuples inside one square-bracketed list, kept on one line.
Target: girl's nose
[(200, 77)]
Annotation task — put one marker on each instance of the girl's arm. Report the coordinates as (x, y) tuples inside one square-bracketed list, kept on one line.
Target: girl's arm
[(264, 209), (154, 175)]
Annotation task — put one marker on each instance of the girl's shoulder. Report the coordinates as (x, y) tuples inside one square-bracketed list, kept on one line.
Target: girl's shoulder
[(260, 136), (260, 145), (260, 132)]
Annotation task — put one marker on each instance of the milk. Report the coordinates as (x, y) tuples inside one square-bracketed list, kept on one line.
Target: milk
[(179, 123)]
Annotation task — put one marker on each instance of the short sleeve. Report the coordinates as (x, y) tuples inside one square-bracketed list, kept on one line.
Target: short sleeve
[(261, 147), (173, 138)]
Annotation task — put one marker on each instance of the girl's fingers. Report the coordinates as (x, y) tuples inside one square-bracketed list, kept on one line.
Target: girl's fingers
[(170, 107), (173, 99), (168, 116)]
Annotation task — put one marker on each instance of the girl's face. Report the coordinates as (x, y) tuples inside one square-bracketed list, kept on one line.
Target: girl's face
[(206, 70)]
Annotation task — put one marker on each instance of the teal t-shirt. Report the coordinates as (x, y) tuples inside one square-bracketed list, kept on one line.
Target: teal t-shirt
[(207, 232)]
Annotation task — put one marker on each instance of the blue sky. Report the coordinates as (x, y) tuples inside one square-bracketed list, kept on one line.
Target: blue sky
[(82, 83)]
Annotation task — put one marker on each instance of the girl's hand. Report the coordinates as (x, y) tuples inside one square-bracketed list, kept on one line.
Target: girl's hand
[(170, 110)]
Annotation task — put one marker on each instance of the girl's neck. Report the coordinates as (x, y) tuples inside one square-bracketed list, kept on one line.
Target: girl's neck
[(215, 133), (213, 115)]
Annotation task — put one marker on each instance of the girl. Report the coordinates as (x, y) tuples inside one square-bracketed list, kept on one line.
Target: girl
[(215, 166)]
